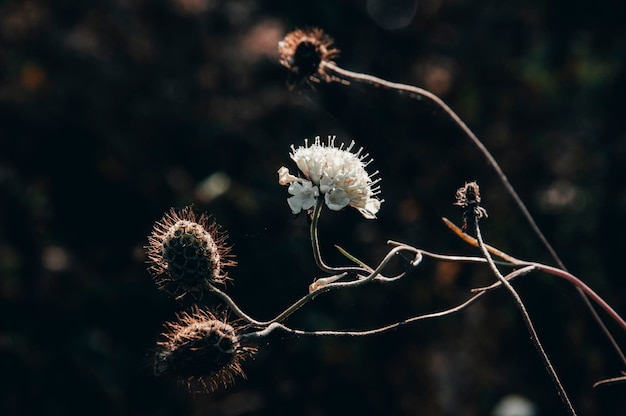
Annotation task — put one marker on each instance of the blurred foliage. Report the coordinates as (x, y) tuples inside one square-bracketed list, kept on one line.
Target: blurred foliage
[(111, 112)]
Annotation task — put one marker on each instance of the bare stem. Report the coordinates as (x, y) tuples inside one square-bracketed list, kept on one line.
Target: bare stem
[(531, 328), (416, 92), (234, 307), (279, 318), (317, 254), (613, 380), (266, 331), (344, 77), (579, 284), (316, 290)]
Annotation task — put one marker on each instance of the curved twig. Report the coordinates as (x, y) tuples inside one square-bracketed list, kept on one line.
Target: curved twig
[(343, 76), (279, 326)]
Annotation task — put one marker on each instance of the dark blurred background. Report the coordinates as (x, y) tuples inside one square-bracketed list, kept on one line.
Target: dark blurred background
[(111, 112)]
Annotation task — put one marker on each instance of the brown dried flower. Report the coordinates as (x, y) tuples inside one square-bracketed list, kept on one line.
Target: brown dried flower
[(186, 252), (468, 198), (303, 51), (201, 350)]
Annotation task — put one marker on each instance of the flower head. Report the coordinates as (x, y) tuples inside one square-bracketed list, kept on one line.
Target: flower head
[(201, 350), (336, 172), (186, 252), (304, 51)]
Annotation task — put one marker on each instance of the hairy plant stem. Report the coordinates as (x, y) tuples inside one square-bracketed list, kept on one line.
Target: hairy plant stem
[(344, 77), (531, 328)]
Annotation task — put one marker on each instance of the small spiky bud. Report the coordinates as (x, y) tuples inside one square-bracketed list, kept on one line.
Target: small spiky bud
[(186, 252), (201, 350), (468, 198), (304, 51)]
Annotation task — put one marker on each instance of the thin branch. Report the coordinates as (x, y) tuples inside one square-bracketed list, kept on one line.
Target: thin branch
[(417, 260), (613, 380), (373, 274), (343, 76), (315, 290), (579, 284), (447, 257), (527, 270), (234, 307), (274, 326), (418, 93), (473, 242), (531, 329)]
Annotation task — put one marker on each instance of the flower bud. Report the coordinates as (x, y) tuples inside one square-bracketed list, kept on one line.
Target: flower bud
[(186, 252)]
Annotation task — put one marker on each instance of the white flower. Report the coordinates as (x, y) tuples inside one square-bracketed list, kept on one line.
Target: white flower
[(304, 196), (335, 172)]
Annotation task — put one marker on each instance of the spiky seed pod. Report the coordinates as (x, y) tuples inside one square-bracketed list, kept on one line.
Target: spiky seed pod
[(186, 252), (303, 51), (201, 350)]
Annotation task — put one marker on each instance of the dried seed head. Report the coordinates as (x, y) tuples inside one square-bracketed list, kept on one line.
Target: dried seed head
[(468, 198), (303, 51), (201, 350), (468, 195), (186, 252)]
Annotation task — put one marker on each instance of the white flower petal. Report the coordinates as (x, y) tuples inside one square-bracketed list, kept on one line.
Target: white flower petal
[(304, 196), (325, 184), (295, 203), (371, 208), (284, 177), (373, 205), (336, 199)]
